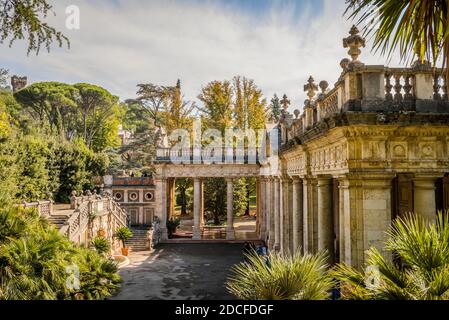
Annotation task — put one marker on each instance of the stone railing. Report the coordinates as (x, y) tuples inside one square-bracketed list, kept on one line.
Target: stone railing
[(361, 88), (226, 155), (84, 211), (43, 208), (89, 207), (328, 105)]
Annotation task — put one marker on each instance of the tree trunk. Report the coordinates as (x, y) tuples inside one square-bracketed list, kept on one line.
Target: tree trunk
[(248, 202), (183, 201)]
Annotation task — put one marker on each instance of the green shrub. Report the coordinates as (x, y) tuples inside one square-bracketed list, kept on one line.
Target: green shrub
[(281, 277), (419, 270), (101, 245), (123, 234), (36, 262)]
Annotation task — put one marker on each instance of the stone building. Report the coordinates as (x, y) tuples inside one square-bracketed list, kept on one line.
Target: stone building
[(136, 195), (372, 148)]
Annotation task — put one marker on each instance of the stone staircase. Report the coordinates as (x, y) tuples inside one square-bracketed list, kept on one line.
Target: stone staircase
[(58, 220), (139, 240)]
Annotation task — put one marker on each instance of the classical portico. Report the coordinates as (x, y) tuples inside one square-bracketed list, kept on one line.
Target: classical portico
[(166, 173)]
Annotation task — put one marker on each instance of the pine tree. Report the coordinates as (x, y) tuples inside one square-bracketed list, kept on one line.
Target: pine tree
[(275, 107)]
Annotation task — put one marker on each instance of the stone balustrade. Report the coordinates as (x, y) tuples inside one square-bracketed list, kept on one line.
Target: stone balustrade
[(43, 208), (88, 212), (367, 89)]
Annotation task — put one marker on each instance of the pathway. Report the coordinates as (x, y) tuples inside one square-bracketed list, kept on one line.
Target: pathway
[(180, 271)]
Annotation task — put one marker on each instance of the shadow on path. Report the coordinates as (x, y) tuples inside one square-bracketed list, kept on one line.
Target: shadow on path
[(180, 271)]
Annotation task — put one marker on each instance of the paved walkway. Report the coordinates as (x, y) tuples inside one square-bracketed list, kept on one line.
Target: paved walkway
[(180, 271)]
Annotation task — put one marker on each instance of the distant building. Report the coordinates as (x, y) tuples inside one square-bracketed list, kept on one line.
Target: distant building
[(124, 135), (18, 83), (136, 195)]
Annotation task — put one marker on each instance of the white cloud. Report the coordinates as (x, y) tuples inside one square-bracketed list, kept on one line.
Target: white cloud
[(122, 43)]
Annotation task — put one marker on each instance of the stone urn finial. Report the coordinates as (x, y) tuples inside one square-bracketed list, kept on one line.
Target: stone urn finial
[(324, 85), (311, 88), (296, 113), (354, 42), (285, 102)]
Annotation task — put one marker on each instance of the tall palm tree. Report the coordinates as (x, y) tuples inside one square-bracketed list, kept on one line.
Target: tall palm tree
[(419, 272), (417, 28), (281, 277)]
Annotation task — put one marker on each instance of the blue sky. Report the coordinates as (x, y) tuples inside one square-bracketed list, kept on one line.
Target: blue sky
[(121, 43)]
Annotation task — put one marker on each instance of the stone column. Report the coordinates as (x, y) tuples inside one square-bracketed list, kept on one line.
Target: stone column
[(325, 216), (286, 216), (230, 232), (202, 203), (424, 197), (297, 215), (164, 209), (277, 217), (365, 215), (267, 209), (262, 211), (270, 221), (307, 218), (196, 209)]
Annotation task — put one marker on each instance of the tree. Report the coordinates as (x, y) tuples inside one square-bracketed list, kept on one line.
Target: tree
[(418, 29), (182, 187), (214, 199), (249, 104), (80, 111), (53, 105), (281, 277), (217, 106), (232, 104), (152, 98), (178, 112), (25, 19), (98, 110), (420, 270), (275, 108)]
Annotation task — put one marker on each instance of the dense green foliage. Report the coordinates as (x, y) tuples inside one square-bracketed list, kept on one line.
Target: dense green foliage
[(101, 245), (420, 270), (283, 277), (37, 263), (236, 104), (25, 19), (82, 111), (41, 154)]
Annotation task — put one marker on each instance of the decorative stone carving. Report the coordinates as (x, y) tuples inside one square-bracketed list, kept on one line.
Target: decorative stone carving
[(311, 88), (285, 102), (354, 42)]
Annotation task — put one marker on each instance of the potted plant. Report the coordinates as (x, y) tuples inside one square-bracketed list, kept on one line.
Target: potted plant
[(101, 233), (101, 245), (172, 225), (123, 234)]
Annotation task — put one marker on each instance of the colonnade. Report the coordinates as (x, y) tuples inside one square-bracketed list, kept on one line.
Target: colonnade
[(344, 214)]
